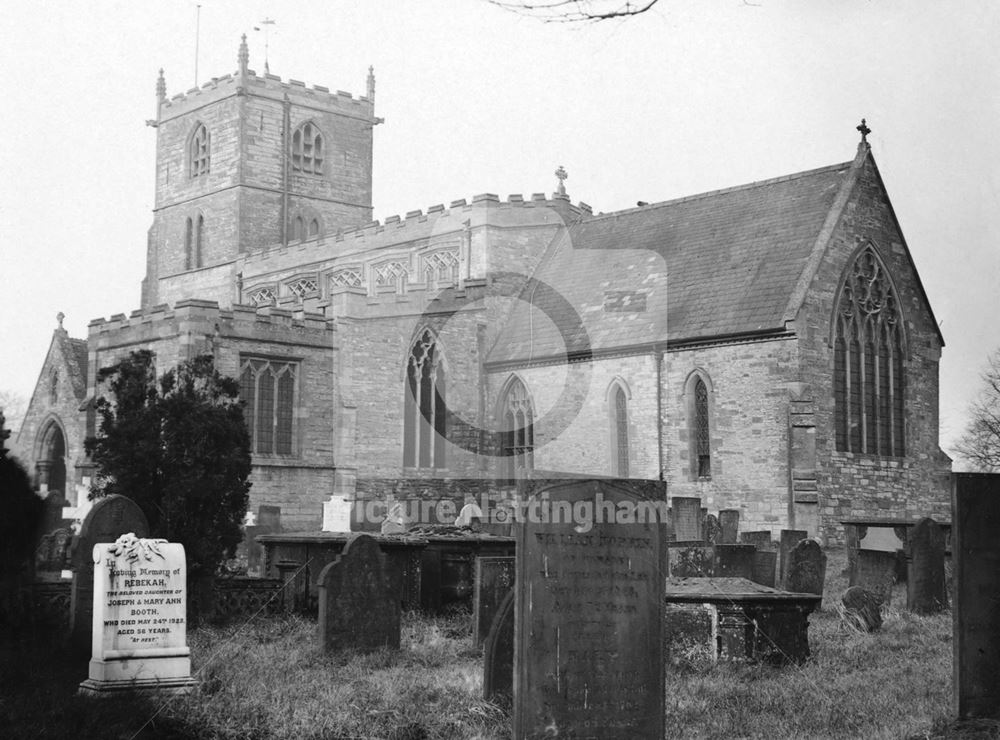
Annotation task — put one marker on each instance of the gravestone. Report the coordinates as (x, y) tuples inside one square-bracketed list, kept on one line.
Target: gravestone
[(357, 605), (712, 529), (789, 539), (875, 571), (107, 520), (268, 522), (926, 591), (806, 569), (494, 580), (498, 656), (862, 609), (761, 539), (690, 560), (764, 564), (975, 548), (589, 607), (687, 518), (139, 631), (734, 561), (729, 520)]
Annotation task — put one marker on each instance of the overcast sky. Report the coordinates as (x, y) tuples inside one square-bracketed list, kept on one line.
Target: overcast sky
[(690, 97)]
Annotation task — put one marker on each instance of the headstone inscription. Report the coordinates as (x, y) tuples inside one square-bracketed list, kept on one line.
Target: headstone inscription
[(789, 539), (687, 518), (498, 654), (926, 591), (875, 571), (734, 561), (358, 607), (107, 520), (493, 581), (806, 572), (975, 548), (589, 608), (729, 520), (139, 639)]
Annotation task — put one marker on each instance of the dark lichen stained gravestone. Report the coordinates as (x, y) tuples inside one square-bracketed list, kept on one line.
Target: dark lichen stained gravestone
[(862, 609), (926, 591), (734, 561), (358, 608), (764, 564), (690, 560), (712, 529), (761, 539), (875, 571), (589, 608), (729, 520), (975, 548), (494, 580), (806, 569), (687, 518), (498, 656), (107, 520), (789, 539)]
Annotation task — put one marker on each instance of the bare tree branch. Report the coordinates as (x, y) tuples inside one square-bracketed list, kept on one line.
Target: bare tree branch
[(980, 445)]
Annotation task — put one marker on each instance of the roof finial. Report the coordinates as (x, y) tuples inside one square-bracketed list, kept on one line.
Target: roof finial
[(863, 128), (161, 86), (371, 83), (244, 55), (561, 174), (59, 317)]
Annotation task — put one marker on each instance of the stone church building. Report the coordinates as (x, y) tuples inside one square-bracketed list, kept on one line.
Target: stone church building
[(768, 347)]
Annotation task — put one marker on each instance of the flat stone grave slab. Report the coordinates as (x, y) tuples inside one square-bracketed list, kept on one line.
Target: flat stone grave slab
[(494, 580), (751, 622), (589, 606)]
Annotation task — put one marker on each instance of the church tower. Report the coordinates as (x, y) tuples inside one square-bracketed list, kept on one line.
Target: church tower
[(245, 163)]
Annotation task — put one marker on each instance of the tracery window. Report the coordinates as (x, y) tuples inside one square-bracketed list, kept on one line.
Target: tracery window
[(267, 387), (199, 152), (868, 377), (307, 149), (262, 297), (619, 431), (303, 286), (442, 267), (347, 277), (517, 434), (390, 274), (424, 418), (702, 437)]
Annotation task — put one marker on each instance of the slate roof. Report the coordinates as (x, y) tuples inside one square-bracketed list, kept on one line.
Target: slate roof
[(733, 259), (75, 353)]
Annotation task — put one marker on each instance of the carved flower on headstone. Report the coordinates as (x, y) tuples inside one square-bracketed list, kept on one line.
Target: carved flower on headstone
[(134, 548)]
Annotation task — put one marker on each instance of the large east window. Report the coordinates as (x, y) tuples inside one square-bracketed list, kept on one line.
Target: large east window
[(868, 351), (268, 387)]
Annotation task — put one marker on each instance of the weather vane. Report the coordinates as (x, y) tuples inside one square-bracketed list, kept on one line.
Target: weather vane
[(265, 23)]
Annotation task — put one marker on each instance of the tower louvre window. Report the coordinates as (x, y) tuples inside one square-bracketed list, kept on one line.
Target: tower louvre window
[(307, 150), (199, 152), (268, 391), (868, 378)]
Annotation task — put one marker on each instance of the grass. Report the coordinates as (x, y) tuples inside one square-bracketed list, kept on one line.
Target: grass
[(269, 680)]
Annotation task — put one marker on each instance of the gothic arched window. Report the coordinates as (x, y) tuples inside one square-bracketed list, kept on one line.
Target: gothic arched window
[(868, 376), (307, 149), (619, 431), (698, 395), (199, 152), (267, 388), (517, 434), (424, 422)]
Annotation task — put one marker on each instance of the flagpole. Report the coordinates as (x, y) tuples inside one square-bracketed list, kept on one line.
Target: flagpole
[(197, 39)]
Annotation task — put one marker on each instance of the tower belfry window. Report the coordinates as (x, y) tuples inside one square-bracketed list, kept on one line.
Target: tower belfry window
[(307, 150), (200, 152)]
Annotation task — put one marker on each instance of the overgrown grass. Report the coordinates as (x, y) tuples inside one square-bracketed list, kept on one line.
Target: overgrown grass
[(270, 680)]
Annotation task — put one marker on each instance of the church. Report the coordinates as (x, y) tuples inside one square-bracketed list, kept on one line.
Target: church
[(768, 347)]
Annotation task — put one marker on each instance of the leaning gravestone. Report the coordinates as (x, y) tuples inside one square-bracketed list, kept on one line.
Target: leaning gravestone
[(926, 591), (687, 518), (789, 539), (875, 571), (498, 655), (734, 561), (862, 609), (975, 548), (139, 638), (729, 520), (357, 605), (806, 569), (494, 580), (588, 659), (107, 520)]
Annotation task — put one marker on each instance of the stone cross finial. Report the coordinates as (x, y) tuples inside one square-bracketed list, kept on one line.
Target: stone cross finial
[(244, 55), (161, 86), (59, 317), (863, 128), (561, 174)]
